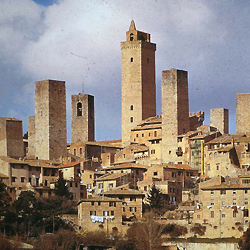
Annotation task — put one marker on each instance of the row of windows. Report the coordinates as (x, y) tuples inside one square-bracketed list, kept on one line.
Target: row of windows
[(104, 213), (245, 214), (111, 203), (149, 135), (209, 168), (223, 192), (217, 154), (71, 184), (223, 202), (75, 151), (131, 209)]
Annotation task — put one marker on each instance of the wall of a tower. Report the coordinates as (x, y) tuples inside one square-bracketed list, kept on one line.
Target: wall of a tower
[(242, 113), (50, 119), (175, 112), (83, 124), (219, 119), (11, 137), (138, 84), (31, 136)]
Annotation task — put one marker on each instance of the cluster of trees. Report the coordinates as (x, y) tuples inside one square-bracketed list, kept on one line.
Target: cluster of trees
[(31, 216)]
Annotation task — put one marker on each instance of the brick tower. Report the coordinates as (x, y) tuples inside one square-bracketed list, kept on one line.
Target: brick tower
[(219, 119), (242, 113), (138, 80), (50, 119), (83, 118), (175, 112)]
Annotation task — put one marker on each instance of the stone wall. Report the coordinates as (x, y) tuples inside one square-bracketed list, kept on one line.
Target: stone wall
[(219, 119), (50, 119), (242, 113), (82, 118), (138, 83), (11, 137), (175, 112)]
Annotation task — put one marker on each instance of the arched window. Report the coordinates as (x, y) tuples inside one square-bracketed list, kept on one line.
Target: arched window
[(131, 36), (131, 107), (79, 109)]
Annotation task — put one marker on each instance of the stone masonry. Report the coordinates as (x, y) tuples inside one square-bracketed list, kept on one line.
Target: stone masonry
[(31, 136), (11, 137), (50, 119), (219, 119), (243, 113), (138, 80), (83, 118), (175, 111)]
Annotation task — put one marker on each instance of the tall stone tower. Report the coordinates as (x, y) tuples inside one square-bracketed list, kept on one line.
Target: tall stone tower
[(243, 113), (219, 119), (83, 118), (138, 80), (50, 119), (11, 137), (175, 112), (31, 137)]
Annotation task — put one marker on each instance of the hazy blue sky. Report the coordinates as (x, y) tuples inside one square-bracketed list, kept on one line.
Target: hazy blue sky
[(79, 42)]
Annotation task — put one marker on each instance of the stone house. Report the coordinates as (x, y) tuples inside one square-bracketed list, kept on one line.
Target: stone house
[(100, 213), (224, 206), (131, 201)]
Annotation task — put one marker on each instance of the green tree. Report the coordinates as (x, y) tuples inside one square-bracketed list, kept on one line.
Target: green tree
[(4, 198), (25, 209), (154, 199), (62, 188)]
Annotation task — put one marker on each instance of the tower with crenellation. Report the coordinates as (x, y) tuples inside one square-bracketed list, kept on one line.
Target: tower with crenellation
[(138, 80)]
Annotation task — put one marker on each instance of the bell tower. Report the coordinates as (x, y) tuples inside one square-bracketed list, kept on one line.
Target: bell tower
[(138, 80)]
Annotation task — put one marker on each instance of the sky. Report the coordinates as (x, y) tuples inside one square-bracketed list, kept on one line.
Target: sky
[(79, 42)]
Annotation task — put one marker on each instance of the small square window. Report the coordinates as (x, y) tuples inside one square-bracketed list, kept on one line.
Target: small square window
[(22, 179), (112, 213)]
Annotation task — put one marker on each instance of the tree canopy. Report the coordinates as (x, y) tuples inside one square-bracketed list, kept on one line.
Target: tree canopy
[(154, 199), (61, 187)]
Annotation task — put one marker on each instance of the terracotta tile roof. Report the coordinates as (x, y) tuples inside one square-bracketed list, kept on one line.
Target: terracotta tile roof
[(227, 186), (226, 138), (149, 123), (226, 149), (32, 163), (180, 166), (3, 176), (108, 177), (100, 198), (70, 164), (124, 192), (127, 166)]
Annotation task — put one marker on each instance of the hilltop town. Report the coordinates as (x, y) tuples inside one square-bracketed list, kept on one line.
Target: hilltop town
[(201, 171)]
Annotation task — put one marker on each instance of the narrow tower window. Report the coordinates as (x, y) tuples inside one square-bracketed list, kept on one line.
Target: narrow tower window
[(79, 109), (131, 119), (131, 107), (131, 59), (131, 36)]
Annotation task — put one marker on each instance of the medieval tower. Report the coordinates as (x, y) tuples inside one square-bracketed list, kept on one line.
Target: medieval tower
[(50, 119), (83, 118), (175, 112), (219, 119), (138, 80), (242, 113)]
